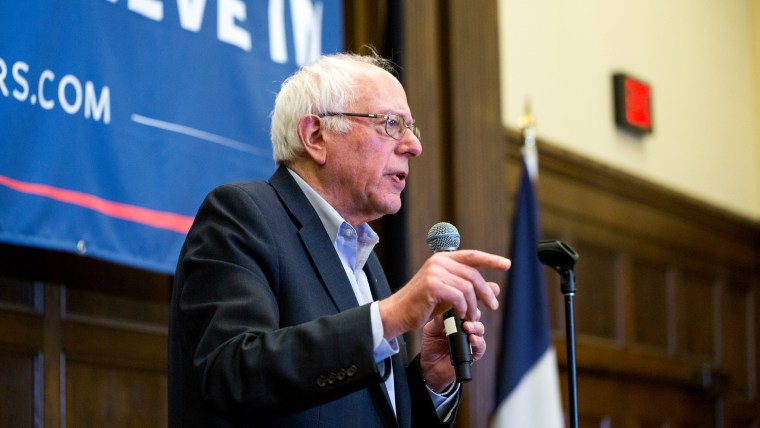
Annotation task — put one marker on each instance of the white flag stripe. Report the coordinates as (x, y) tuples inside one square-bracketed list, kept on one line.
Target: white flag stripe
[(537, 387)]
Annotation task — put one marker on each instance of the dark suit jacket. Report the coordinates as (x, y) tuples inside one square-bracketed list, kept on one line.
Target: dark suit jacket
[(265, 329)]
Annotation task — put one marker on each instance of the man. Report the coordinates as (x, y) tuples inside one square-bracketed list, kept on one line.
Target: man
[(281, 314)]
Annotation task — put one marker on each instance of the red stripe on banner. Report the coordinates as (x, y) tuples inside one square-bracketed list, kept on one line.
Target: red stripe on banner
[(159, 219)]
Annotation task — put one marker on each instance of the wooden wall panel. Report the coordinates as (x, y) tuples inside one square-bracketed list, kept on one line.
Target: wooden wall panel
[(736, 340), (665, 406), (622, 402), (650, 303), (20, 388), (425, 80), (596, 303), (695, 308), (593, 413), (87, 352), (100, 395)]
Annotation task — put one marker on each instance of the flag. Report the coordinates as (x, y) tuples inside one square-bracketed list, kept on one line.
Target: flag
[(527, 383)]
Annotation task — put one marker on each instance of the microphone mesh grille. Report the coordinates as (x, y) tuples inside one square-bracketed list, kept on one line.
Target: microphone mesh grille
[(443, 237)]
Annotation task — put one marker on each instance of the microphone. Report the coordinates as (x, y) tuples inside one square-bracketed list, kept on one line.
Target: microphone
[(445, 237)]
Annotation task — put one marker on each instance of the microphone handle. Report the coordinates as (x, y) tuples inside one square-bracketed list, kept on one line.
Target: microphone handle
[(460, 351)]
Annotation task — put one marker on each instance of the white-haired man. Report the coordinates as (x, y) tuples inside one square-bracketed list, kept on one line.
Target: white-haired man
[(281, 313)]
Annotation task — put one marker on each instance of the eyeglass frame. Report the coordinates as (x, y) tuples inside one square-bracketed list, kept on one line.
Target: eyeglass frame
[(404, 126)]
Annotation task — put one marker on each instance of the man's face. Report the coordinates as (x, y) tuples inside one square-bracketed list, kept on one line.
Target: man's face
[(366, 167)]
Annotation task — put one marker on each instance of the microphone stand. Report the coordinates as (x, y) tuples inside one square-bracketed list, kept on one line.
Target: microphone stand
[(567, 284), (561, 257)]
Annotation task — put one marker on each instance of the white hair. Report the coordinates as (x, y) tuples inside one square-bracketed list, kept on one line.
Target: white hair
[(327, 84)]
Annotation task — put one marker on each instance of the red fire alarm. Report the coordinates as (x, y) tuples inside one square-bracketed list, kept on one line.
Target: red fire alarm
[(633, 104)]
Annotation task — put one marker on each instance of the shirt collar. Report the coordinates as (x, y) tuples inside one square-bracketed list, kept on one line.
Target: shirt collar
[(331, 219)]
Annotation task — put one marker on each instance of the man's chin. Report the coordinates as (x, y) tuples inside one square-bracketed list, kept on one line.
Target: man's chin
[(393, 209)]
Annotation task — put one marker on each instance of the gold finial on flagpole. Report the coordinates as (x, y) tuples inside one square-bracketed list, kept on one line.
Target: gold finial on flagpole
[(527, 120), (527, 125)]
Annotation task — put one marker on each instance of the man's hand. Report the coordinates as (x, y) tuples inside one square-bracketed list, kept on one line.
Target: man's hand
[(435, 364), (446, 280)]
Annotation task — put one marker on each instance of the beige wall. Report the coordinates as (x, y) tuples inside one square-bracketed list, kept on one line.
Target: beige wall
[(754, 25), (696, 54)]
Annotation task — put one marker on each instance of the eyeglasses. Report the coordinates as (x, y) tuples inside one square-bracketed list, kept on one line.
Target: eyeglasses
[(395, 125)]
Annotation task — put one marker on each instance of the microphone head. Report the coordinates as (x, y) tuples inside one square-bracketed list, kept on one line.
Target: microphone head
[(443, 237)]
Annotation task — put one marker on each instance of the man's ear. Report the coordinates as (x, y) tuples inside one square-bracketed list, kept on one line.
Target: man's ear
[(310, 133)]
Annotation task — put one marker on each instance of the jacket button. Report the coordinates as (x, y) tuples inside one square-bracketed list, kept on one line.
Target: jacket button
[(342, 374), (321, 381), (351, 371), (331, 378)]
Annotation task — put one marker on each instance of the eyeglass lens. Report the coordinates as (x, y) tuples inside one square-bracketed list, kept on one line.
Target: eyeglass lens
[(395, 126)]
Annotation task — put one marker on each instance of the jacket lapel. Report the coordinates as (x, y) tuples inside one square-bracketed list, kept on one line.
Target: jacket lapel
[(378, 283), (315, 239)]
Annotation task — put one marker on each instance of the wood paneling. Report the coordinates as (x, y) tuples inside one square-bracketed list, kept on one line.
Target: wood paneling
[(736, 339), (667, 324), (100, 395), (650, 303), (425, 80), (82, 342), (20, 388), (597, 304), (696, 314)]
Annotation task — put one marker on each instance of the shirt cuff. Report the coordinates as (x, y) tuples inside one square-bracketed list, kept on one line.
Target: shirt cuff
[(383, 348), (446, 401)]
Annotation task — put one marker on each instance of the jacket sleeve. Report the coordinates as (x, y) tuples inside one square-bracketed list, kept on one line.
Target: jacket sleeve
[(423, 411)]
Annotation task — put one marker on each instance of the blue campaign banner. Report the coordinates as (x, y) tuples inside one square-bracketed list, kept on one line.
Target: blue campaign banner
[(118, 116)]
